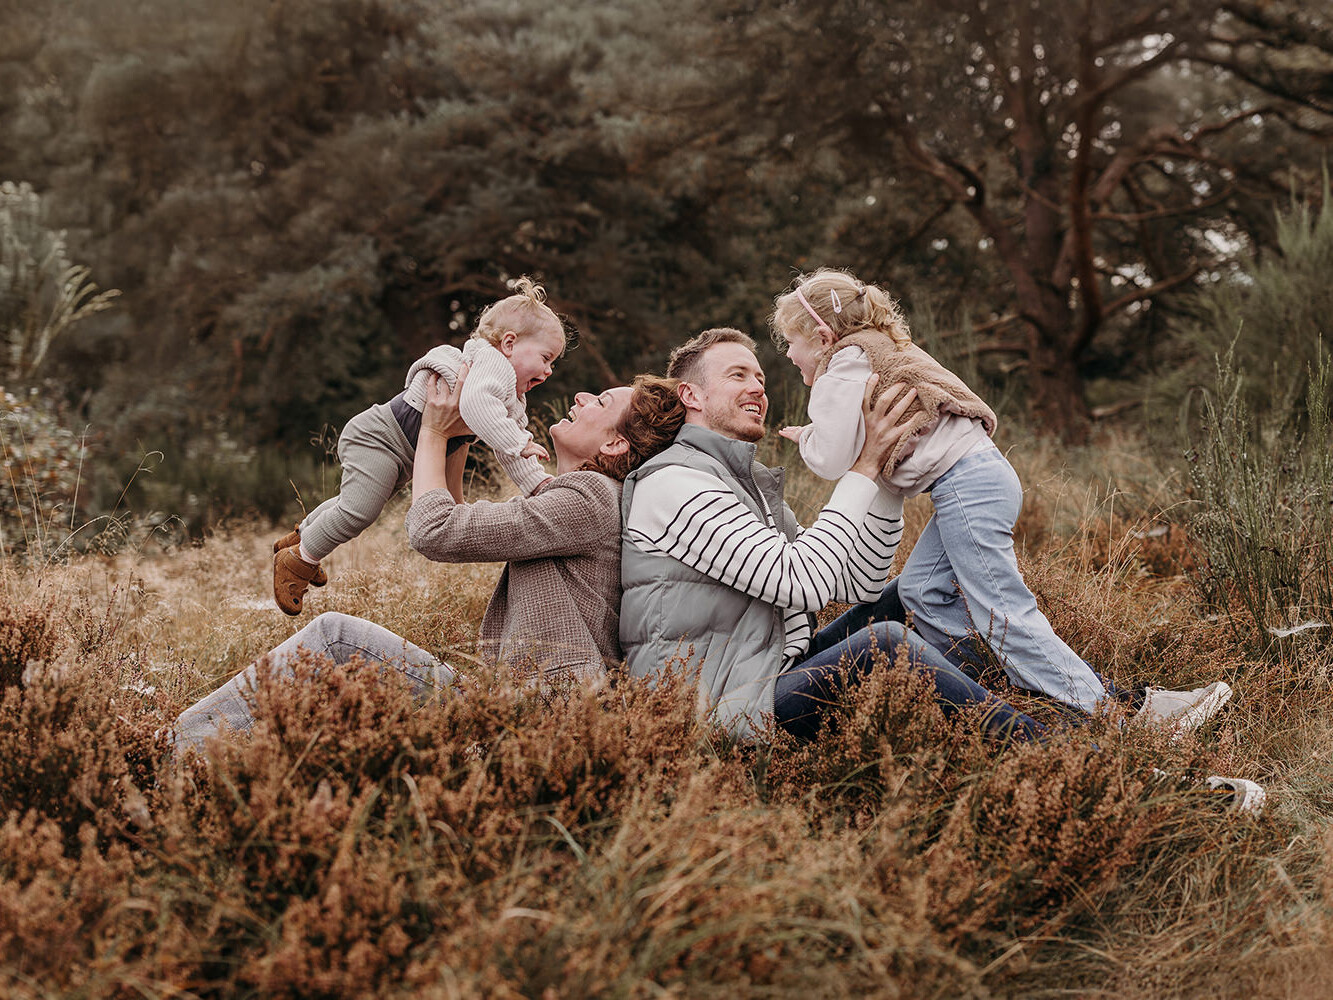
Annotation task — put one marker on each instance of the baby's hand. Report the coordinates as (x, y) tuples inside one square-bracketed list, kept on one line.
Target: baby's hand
[(533, 450), (792, 433)]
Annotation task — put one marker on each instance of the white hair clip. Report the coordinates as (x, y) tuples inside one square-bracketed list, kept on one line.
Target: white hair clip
[(837, 302)]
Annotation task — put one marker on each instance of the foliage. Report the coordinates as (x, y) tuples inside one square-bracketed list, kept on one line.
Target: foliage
[(1064, 166), (41, 293), (1271, 318), (43, 464), (602, 843), (1264, 481)]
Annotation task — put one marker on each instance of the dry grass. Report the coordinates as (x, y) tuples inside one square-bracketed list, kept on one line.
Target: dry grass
[(604, 844)]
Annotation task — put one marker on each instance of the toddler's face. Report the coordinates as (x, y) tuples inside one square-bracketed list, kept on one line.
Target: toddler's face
[(804, 352), (532, 356)]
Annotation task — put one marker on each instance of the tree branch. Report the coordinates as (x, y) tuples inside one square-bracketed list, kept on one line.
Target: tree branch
[(1151, 291)]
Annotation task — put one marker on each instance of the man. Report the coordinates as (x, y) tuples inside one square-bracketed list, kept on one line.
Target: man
[(719, 577)]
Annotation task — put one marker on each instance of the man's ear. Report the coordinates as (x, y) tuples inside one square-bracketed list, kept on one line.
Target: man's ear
[(689, 395), (507, 341), (616, 446)]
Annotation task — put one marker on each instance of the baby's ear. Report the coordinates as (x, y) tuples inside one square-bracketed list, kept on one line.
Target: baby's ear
[(825, 337), (507, 341)]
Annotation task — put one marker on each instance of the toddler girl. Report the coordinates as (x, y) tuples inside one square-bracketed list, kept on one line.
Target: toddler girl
[(962, 577), (516, 341)]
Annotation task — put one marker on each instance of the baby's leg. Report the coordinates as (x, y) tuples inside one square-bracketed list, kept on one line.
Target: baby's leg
[(337, 636), (970, 542), (376, 461)]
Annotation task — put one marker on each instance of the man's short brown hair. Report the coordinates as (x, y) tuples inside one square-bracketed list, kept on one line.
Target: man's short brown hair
[(686, 358)]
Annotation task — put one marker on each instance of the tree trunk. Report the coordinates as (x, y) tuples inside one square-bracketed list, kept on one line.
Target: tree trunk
[(1056, 401)]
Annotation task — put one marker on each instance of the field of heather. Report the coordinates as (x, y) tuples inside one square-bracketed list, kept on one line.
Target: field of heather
[(605, 843)]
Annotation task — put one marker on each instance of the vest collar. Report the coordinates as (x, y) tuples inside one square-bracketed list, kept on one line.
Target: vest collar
[(738, 456)]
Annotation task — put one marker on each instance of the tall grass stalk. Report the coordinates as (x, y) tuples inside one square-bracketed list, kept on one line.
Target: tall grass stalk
[(1264, 484)]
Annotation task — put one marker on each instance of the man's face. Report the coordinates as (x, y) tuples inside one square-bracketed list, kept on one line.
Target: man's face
[(729, 395)]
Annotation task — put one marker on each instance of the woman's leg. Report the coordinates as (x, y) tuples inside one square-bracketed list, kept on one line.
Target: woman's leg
[(805, 691), (970, 548), (336, 636)]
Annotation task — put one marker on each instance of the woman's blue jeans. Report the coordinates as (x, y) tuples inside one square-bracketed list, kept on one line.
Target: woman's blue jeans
[(842, 652), (339, 637)]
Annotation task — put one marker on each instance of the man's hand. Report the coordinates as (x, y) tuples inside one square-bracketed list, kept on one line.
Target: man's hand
[(883, 431), (441, 417)]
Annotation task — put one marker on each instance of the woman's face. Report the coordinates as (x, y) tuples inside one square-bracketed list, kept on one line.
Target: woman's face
[(591, 424)]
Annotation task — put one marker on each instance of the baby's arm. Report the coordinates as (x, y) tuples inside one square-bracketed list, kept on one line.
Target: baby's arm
[(833, 439), (487, 397), (444, 360)]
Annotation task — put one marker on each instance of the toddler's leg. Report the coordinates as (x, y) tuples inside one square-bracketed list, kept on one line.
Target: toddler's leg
[(337, 636), (970, 541), (375, 464)]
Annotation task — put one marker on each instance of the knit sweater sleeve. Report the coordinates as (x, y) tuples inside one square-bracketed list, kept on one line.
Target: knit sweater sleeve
[(832, 441), (444, 360), (489, 396), (572, 516), (493, 410), (694, 517)]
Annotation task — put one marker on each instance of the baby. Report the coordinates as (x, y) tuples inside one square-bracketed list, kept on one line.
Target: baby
[(516, 341), (962, 578)]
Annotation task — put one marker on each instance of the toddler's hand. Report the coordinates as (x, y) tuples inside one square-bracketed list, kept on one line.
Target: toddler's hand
[(792, 433), (533, 450)]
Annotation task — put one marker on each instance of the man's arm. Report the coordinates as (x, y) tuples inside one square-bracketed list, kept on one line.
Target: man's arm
[(871, 560), (694, 517)]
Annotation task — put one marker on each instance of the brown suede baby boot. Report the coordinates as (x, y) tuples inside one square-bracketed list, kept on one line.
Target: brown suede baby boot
[(291, 576), (293, 537)]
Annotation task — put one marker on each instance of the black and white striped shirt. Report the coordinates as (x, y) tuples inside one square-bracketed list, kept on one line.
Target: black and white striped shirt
[(845, 555)]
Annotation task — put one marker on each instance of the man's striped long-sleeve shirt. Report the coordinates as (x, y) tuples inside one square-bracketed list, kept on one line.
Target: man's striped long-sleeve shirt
[(845, 555)]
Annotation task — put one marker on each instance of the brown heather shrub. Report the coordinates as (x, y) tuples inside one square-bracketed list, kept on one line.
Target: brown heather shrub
[(27, 634), (492, 842)]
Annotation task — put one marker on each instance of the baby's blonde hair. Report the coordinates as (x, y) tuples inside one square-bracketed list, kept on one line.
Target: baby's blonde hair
[(523, 313), (843, 302)]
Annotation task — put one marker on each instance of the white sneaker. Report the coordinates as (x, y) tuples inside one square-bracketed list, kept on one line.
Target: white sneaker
[(1246, 796), (1182, 710)]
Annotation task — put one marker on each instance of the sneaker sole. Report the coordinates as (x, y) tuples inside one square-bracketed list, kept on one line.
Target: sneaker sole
[(1246, 796)]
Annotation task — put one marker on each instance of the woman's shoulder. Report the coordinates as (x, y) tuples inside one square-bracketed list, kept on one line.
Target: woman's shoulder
[(588, 483)]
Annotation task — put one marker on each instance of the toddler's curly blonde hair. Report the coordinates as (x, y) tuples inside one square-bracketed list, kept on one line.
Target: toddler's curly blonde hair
[(524, 313), (840, 302)]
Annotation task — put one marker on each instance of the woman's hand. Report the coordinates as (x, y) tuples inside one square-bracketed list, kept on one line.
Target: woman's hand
[(434, 468), (883, 431), (441, 416)]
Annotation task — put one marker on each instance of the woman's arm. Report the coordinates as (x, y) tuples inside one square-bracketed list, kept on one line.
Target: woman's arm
[(574, 515), (440, 420), (454, 464)]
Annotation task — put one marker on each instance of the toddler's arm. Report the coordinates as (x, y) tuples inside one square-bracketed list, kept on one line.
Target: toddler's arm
[(486, 406), (833, 439)]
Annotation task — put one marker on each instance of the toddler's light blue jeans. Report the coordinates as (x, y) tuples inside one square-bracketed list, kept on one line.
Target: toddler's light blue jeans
[(337, 636), (968, 546)]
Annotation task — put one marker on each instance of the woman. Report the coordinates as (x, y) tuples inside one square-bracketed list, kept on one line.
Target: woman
[(556, 607)]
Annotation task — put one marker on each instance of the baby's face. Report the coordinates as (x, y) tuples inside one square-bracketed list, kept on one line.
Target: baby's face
[(804, 352), (532, 356)]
